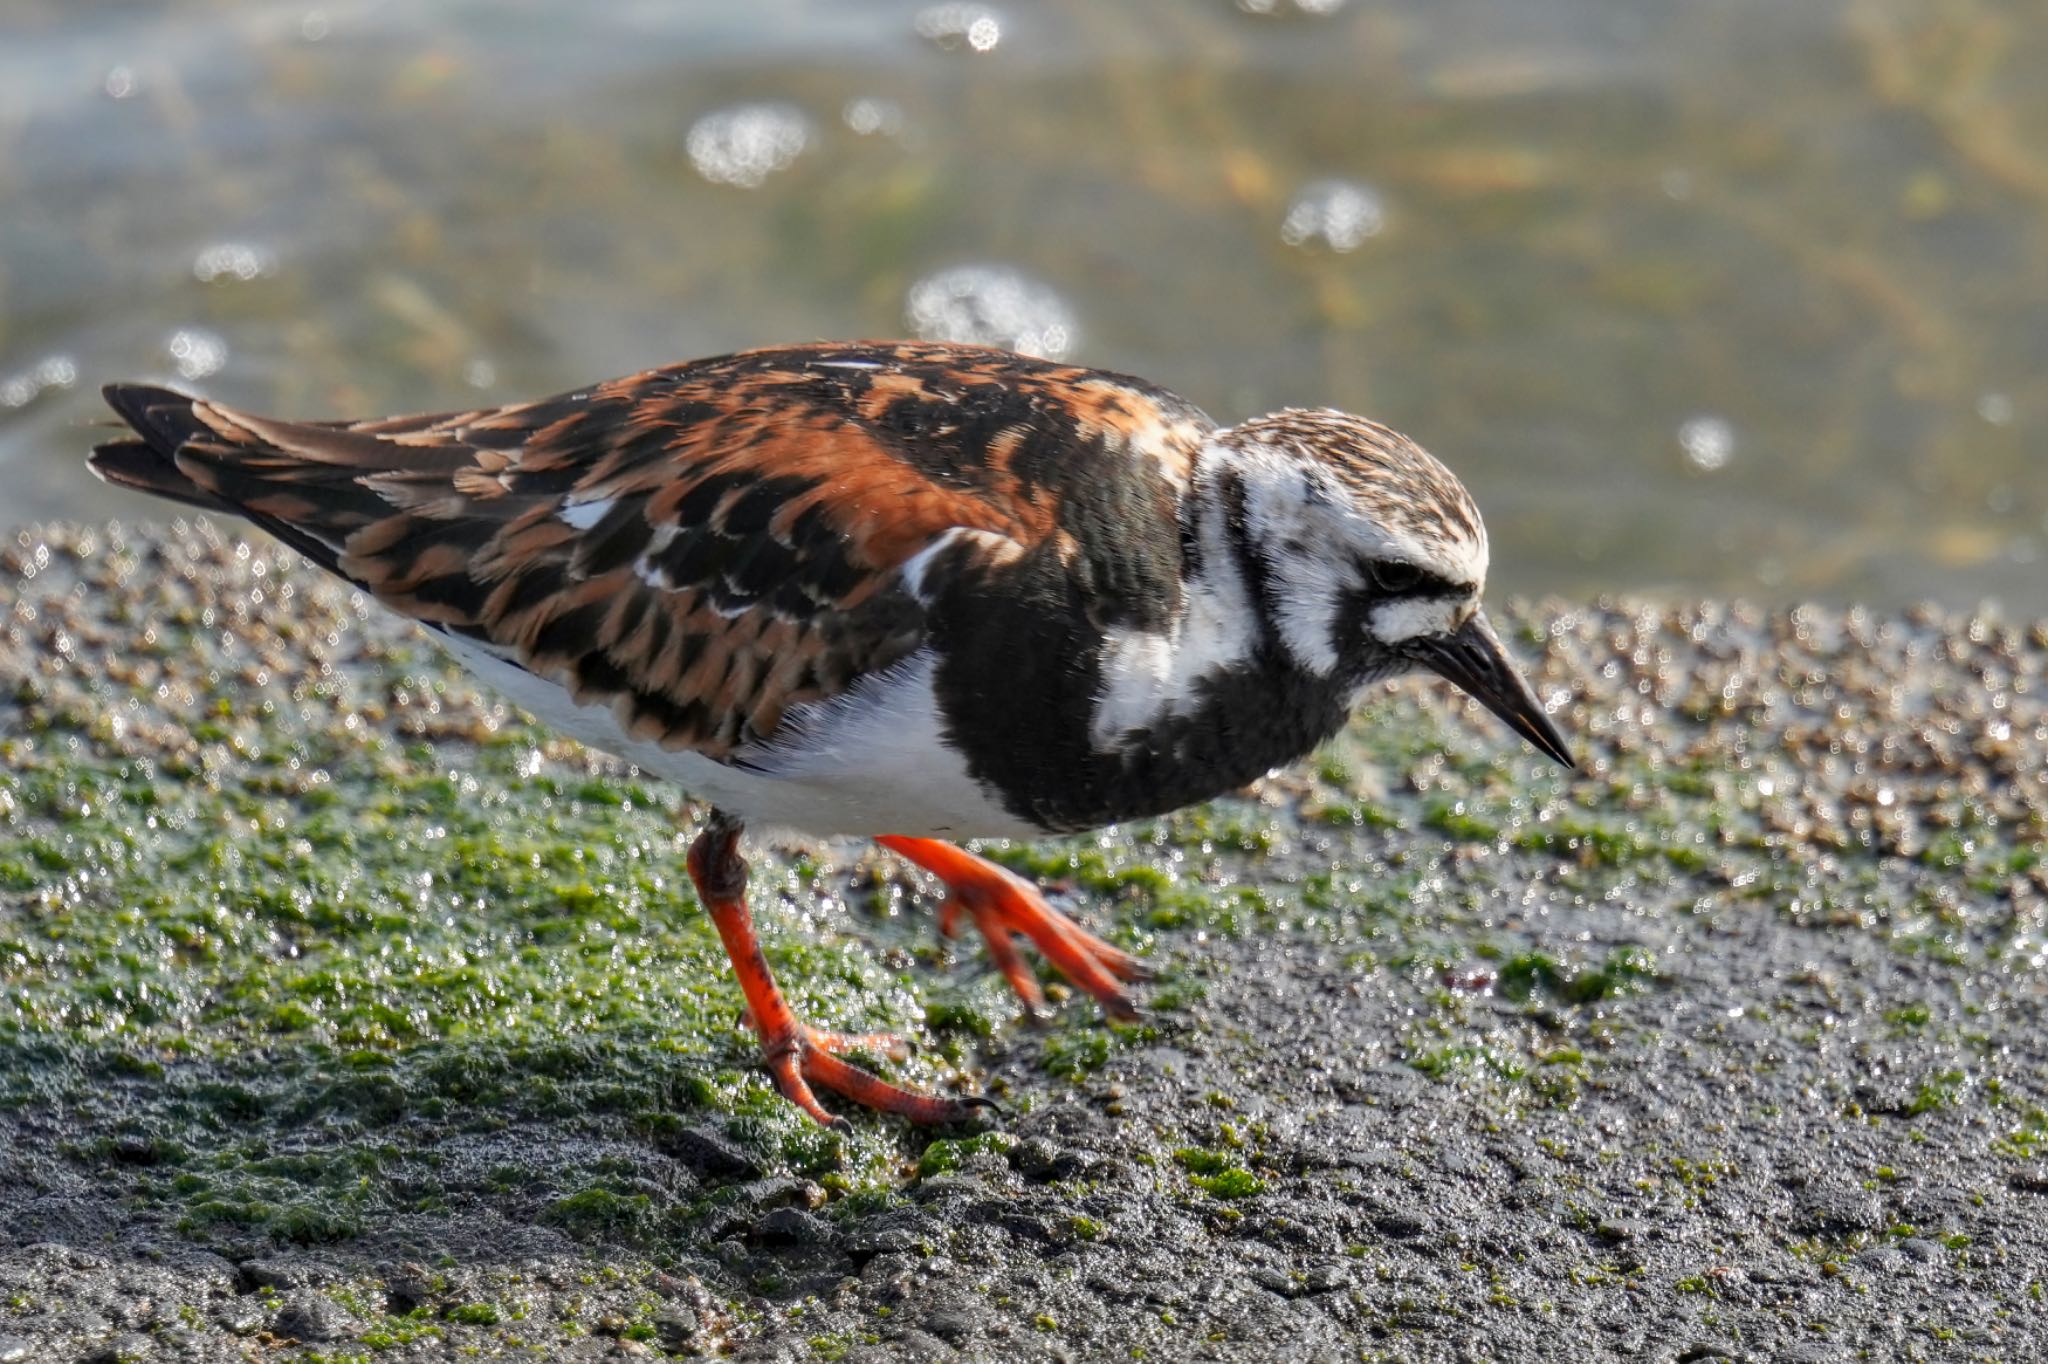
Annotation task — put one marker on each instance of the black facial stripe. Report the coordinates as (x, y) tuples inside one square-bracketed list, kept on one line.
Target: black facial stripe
[(1427, 584), (1258, 574)]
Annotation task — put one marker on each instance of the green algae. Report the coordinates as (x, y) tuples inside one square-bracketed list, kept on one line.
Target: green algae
[(331, 955), (1218, 1174), (945, 1156), (475, 951), (1625, 971)]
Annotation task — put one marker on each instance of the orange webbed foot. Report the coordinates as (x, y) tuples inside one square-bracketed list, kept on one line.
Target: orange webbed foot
[(1004, 905), (800, 1058)]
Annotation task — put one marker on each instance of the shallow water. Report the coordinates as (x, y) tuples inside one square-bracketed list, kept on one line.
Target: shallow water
[(1724, 297)]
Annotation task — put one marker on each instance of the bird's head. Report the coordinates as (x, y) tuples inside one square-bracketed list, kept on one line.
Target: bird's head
[(1369, 558)]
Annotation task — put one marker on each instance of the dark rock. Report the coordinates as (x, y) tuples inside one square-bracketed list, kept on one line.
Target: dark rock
[(243, 1316), (283, 1273), (1327, 1278), (134, 1149), (310, 1316), (1043, 1159), (409, 1286), (957, 1321), (676, 1326), (888, 1277), (710, 1155), (1275, 1281), (1891, 1098), (1920, 1250), (1836, 1208), (904, 1231), (737, 1217), (1402, 1226), (1880, 1260), (196, 1266), (1383, 1086), (792, 1227), (1813, 1352), (1035, 1157), (128, 1349), (1031, 1225), (911, 1347), (1936, 1206), (940, 1189)]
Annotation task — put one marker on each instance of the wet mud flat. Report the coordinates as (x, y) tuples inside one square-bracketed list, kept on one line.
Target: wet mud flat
[(344, 1014)]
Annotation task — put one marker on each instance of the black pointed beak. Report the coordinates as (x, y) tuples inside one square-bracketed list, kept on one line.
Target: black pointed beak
[(1471, 657)]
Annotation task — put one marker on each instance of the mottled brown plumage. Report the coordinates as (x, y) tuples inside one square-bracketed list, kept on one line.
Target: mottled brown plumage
[(702, 546)]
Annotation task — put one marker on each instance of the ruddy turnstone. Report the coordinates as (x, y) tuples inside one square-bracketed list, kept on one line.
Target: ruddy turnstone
[(904, 590)]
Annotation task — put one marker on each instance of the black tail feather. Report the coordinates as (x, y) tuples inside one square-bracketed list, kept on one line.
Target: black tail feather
[(163, 421), (141, 466), (161, 416), (147, 462)]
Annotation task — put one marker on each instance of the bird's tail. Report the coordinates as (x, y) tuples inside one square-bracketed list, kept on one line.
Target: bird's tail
[(146, 460), (313, 485)]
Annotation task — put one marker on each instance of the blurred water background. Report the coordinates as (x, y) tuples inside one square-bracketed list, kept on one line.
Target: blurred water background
[(1726, 296)]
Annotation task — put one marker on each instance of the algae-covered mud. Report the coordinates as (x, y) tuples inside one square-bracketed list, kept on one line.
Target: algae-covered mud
[(344, 1014)]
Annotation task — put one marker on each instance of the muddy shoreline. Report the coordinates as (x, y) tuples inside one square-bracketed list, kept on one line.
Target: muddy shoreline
[(345, 1015)]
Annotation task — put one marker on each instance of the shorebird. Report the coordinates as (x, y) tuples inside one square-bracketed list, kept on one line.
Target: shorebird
[(913, 591)]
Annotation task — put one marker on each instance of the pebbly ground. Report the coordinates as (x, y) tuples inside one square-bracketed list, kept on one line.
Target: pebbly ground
[(345, 1015)]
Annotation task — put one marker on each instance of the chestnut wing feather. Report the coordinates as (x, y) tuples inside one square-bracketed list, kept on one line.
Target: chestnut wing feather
[(705, 547)]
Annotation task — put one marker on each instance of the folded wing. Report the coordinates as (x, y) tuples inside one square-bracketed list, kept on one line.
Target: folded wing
[(702, 547)]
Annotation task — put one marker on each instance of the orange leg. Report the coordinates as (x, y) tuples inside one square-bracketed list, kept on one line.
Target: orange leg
[(1004, 904), (796, 1055), (845, 1043)]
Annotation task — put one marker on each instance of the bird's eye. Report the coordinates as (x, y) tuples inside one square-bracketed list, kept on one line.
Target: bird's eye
[(1392, 575)]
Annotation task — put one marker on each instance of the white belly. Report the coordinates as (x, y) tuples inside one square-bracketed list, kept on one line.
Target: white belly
[(869, 762)]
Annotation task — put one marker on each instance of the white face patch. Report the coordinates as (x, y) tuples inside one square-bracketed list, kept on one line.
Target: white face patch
[(1316, 536), (1289, 516), (1308, 592), (1400, 621)]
